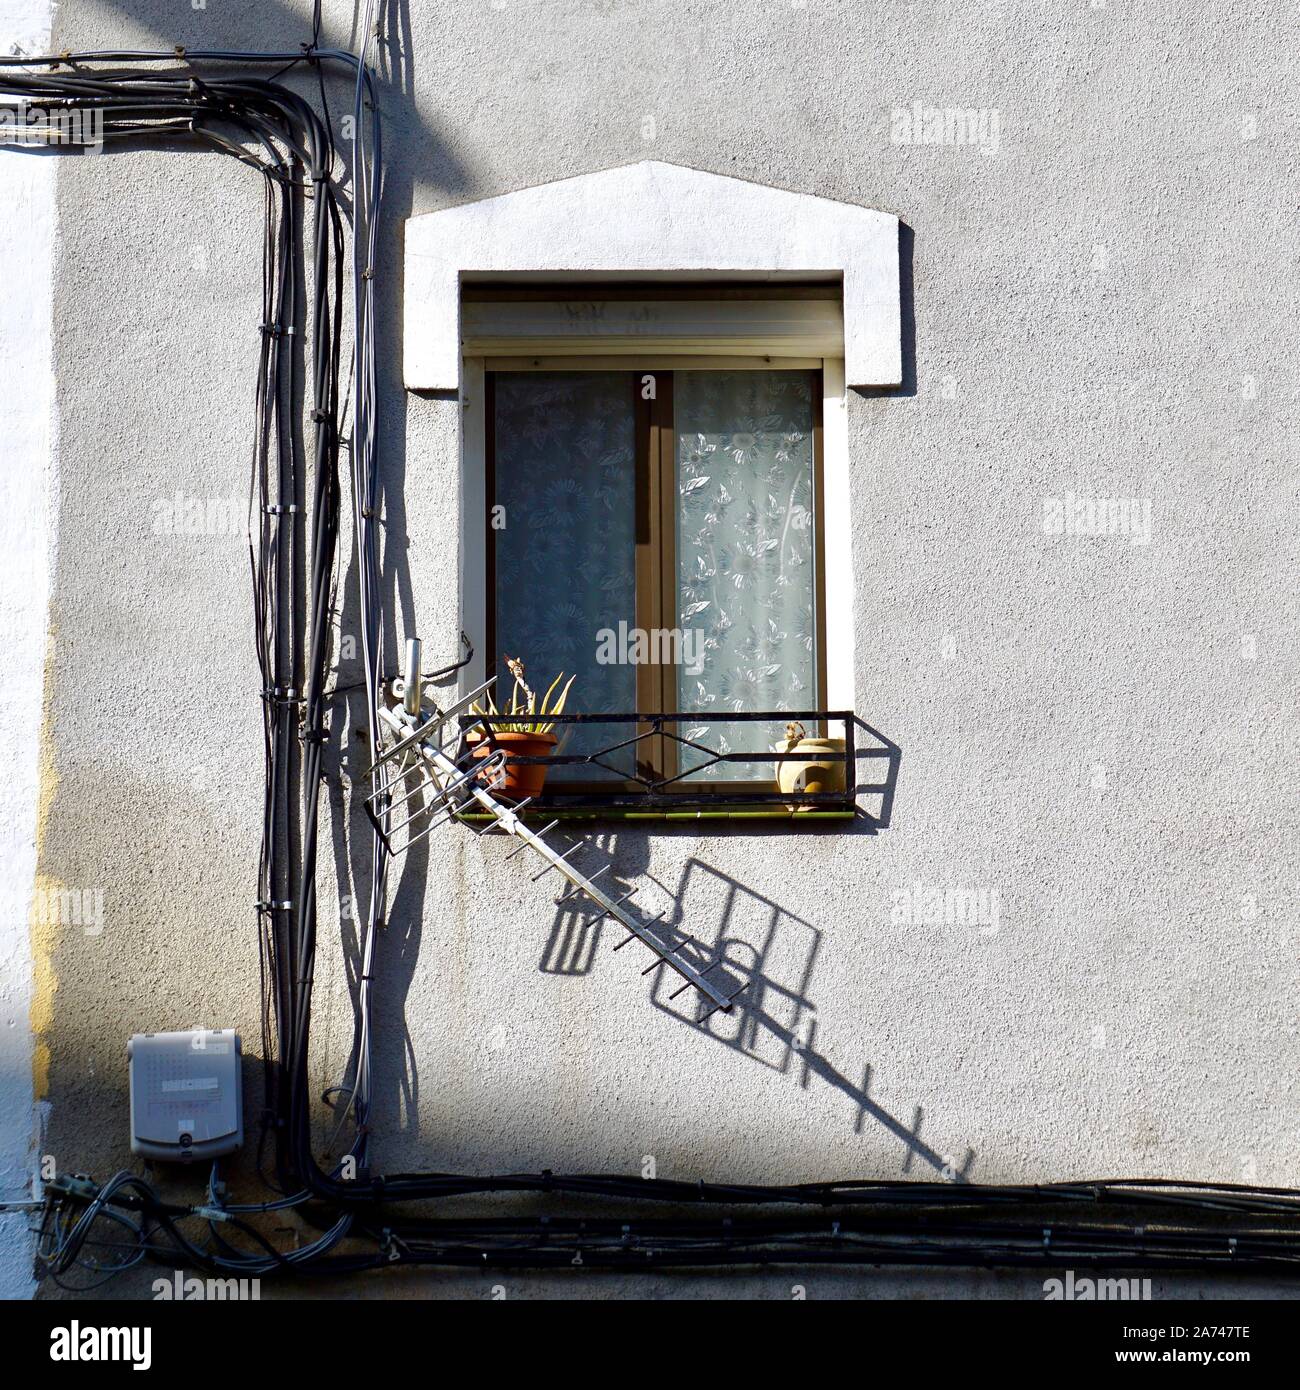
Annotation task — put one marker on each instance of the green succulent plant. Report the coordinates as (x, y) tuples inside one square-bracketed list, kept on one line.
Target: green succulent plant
[(527, 715)]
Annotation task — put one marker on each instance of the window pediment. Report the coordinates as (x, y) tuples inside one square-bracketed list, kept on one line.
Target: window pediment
[(652, 222)]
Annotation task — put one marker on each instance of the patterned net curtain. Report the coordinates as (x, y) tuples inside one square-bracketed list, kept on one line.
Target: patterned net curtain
[(565, 450), (745, 561), (565, 475)]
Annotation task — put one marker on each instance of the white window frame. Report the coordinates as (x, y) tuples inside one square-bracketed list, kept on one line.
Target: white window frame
[(655, 222)]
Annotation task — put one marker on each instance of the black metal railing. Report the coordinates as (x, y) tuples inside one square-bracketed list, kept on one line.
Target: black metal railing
[(654, 765)]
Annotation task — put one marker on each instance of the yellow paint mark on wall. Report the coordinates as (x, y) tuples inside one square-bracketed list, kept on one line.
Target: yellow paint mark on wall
[(44, 923)]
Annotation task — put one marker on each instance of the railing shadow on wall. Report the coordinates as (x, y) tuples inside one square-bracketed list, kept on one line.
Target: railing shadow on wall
[(771, 952), (764, 1025)]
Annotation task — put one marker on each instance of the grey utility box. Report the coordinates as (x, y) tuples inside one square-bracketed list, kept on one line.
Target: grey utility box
[(186, 1094)]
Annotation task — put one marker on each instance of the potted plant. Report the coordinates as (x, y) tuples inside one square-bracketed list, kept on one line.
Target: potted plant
[(527, 734), (822, 772)]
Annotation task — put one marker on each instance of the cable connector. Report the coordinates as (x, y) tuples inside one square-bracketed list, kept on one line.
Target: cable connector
[(77, 1185), (211, 1213)]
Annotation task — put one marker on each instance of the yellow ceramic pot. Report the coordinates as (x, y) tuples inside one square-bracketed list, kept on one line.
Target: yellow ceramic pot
[(822, 772)]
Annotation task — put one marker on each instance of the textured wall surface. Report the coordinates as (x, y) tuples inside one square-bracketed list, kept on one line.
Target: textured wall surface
[(26, 535), (1096, 732)]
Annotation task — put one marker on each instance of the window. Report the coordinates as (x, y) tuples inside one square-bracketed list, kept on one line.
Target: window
[(658, 533)]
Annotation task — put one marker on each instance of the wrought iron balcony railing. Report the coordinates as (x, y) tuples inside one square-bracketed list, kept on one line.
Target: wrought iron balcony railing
[(635, 761)]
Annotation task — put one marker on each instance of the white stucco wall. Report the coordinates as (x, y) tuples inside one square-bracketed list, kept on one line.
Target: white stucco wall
[(1094, 730), (26, 461)]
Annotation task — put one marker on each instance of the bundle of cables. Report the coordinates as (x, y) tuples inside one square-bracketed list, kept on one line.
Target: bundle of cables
[(210, 99), (364, 1219)]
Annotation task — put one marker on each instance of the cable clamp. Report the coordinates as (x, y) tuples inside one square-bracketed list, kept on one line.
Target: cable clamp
[(279, 695), (321, 417), (268, 905), (368, 273), (278, 330), (280, 508)]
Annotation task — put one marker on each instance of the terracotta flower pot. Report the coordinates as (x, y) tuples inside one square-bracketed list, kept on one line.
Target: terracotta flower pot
[(518, 780), (823, 771)]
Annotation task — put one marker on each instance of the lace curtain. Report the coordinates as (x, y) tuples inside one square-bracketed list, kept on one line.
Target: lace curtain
[(745, 563), (565, 448)]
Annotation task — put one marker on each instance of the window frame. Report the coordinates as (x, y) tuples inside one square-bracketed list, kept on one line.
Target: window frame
[(655, 538)]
